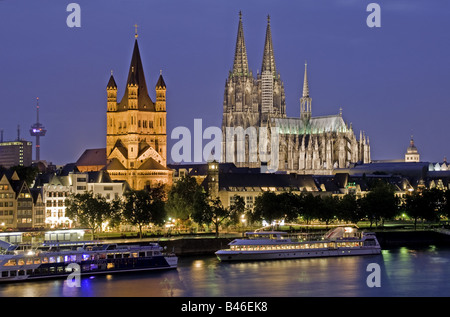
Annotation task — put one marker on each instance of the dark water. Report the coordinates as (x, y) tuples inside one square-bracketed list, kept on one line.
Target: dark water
[(404, 272)]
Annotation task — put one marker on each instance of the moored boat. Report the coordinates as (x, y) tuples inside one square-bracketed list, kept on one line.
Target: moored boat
[(61, 260), (270, 245)]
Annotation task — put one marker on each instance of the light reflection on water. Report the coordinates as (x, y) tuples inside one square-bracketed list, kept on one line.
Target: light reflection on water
[(404, 272)]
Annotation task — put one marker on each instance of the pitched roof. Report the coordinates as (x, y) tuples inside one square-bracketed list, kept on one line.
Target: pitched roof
[(280, 181), (111, 82), (332, 123), (99, 177), (151, 164), (160, 83), (136, 76), (92, 157), (114, 165)]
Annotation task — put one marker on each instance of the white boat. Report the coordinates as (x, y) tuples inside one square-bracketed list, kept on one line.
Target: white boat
[(61, 259), (271, 245)]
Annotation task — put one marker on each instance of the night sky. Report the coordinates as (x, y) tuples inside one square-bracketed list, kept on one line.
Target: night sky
[(391, 82)]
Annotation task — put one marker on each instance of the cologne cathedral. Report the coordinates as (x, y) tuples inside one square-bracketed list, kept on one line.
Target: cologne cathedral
[(305, 144)]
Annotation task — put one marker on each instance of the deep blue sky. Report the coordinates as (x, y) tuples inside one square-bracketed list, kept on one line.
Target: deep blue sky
[(391, 81)]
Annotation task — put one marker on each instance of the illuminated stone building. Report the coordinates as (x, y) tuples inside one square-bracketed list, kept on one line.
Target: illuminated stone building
[(412, 154), (136, 139), (304, 145)]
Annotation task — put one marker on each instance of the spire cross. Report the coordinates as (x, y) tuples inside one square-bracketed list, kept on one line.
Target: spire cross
[(135, 31)]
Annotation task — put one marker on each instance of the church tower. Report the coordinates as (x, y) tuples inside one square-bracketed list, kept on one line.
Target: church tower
[(412, 154), (305, 101), (136, 129), (271, 87), (250, 102)]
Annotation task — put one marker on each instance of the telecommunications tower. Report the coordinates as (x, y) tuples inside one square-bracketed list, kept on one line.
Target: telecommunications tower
[(37, 130)]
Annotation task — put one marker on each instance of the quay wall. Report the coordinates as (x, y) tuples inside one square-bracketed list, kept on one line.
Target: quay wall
[(195, 246), (387, 239)]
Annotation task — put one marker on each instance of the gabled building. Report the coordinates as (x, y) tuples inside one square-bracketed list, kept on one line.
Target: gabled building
[(62, 186), (20, 207), (8, 204)]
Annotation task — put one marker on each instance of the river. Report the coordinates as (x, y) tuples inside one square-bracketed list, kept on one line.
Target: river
[(402, 272)]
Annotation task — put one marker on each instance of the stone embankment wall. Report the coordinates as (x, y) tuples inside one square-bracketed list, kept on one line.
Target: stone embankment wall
[(390, 239), (195, 246)]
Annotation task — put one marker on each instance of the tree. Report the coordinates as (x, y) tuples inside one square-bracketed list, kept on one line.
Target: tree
[(349, 209), (142, 207), (267, 207), (91, 211), (210, 211), (290, 204), (26, 173), (237, 209), (445, 208), (310, 206), (181, 198), (327, 208), (380, 203), (426, 204)]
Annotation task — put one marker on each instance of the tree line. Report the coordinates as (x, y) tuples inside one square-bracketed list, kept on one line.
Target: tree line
[(190, 203), (186, 201)]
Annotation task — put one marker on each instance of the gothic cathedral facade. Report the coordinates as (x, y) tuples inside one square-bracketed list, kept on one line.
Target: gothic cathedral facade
[(304, 145), (136, 138)]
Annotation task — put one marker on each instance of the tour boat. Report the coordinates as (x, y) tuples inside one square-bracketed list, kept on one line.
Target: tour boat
[(65, 259), (270, 245)]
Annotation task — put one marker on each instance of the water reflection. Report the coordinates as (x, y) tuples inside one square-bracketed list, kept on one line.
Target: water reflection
[(404, 272)]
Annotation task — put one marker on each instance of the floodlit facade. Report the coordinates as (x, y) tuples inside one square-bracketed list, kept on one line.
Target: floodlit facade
[(304, 145), (59, 188), (412, 154), (136, 139)]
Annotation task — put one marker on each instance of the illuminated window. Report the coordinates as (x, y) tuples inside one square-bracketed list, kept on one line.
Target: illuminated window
[(11, 262)]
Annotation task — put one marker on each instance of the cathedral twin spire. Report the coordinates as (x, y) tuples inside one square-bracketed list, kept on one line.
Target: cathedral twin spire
[(268, 63), (240, 65)]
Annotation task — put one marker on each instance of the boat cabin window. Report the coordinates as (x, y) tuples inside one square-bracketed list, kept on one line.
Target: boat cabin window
[(11, 262), (369, 242)]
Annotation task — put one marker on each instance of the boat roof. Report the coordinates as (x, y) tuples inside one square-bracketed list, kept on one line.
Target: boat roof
[(265, 232)]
